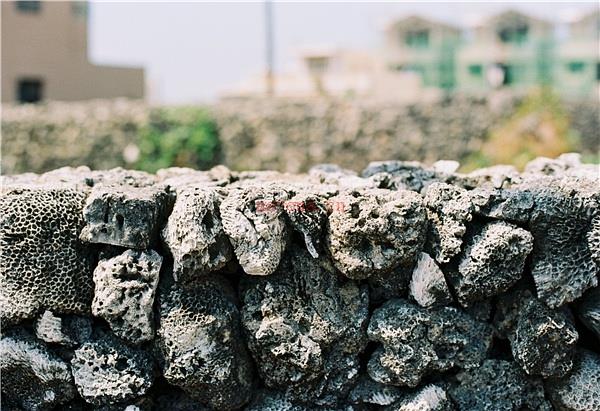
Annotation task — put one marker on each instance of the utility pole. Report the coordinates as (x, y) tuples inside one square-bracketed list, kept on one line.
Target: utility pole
[(269, 80)]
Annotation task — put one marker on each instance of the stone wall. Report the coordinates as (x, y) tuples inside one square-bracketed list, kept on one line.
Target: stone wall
[(270, 134), (403, 288)]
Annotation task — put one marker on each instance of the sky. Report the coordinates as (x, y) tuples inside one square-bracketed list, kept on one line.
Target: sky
[(193, 50)]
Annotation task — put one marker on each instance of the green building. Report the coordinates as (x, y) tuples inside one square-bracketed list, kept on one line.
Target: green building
[(507, 51), (415, 44), (577, 62)]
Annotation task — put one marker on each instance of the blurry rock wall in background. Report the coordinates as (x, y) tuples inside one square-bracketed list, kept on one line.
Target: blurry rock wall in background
[(292, 135)]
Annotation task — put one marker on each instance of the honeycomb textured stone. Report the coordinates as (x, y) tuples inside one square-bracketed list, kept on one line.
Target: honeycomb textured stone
[(124, 293), (416, 342), (33, 378), (407, 287), (374, 231), (199, 343), (124, 216), (493, 260), (194, 233), (107, 371), (253, 218), (580, 390), (44, 265), (498, 385), (562, 261)]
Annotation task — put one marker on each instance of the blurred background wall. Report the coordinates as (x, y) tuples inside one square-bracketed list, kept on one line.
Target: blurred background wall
[(506, 88)]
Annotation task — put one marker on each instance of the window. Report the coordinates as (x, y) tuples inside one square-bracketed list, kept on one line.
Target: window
[(29, 6), (417, 38), (597, 71), (476, 70), (317, 65), (29, 90), (515, 34), (576, 66)]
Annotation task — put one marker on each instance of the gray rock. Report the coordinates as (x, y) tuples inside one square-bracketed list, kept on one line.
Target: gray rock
[(543, 342), (417, 342), (305, 329), (588, 310), (497, 386), (562, 261), (492, 262), (508, 309), (593, 238), (369, 392), (44, 265), (503, 204), (429, 398), (199, 345), (194, 234), (107, 371), (274, 401), (176, 400), (402, 175), (66, 330), (124, 293), (32, 377), (449, 209), (428, 286), (125, 216), (308, 215), (253, 218), (375, 231), (580, 390)]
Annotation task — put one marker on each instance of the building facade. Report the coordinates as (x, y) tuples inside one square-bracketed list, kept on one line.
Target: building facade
[(577, 68), (428, 48), (507, 51), (45, 56)]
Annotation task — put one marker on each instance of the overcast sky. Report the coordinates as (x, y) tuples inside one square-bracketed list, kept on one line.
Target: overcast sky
[(192, 50)]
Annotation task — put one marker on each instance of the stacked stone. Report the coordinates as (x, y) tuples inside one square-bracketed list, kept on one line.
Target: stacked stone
[(404, 288)]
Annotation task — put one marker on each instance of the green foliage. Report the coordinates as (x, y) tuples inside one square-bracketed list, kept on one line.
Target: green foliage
[(178, 137), (540, 126)]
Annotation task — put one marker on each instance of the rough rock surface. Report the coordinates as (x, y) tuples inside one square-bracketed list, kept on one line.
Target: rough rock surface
[(375, 231), (194, 233), (429, 398), (449, 209), (305, 328), (428, 286), (417, 342), (107, 371), (124, 293), (125, 216), (44, 265), (498, 385), (543, 342), (33, 377), (199, 345), (588, 310), (409, 287), (580, 390), (253, 218), (493, 260), (67, 330), (562, 262)]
